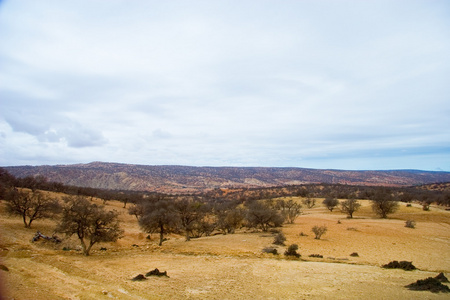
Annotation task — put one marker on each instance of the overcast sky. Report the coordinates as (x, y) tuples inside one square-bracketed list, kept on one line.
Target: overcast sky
[(320, 84)]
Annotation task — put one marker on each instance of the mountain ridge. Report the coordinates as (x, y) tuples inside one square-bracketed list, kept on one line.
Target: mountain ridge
[(187, 179)]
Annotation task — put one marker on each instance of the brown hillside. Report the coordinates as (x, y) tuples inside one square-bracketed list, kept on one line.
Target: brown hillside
[(183, 179)]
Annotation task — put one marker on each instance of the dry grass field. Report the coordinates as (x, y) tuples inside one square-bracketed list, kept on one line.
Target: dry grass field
[(233, 266)]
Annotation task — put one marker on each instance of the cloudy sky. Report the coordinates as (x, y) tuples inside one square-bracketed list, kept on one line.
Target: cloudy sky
[(320, 84)]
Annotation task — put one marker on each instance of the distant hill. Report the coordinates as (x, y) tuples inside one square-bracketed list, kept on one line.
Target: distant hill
[(176, 179)]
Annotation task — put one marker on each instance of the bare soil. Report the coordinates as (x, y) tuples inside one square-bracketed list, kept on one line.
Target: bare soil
[(233, 266)]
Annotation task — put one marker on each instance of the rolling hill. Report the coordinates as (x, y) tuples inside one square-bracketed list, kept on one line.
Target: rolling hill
[(186, 179)]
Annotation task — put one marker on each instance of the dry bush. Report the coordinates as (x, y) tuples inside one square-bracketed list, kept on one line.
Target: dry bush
[(292, 251), (319, 231), (279, 239), (410, 224)]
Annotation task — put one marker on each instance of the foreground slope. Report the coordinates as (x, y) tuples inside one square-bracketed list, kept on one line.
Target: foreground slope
[(233, 266), (168, 179)]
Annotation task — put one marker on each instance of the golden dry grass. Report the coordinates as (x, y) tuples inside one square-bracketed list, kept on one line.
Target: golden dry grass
[(233, 266)]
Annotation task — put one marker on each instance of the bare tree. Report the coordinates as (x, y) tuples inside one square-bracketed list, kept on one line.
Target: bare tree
[(229, 216), (91, 223), (189, 213), (309, 202), (31, 205), (263, 216), (289, 209), (349, 206)]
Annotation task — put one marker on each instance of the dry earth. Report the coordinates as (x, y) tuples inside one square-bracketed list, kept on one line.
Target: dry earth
[(233, 266)]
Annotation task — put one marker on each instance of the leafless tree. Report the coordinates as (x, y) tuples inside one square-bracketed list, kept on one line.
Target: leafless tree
[(289, 209), (31, 205)]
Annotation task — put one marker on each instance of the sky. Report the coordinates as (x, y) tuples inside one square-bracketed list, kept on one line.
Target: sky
[(353, 85)]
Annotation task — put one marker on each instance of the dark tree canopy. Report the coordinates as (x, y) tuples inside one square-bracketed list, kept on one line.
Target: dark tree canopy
[(91, 223), (330, 202), (159, 216), (383, 203)]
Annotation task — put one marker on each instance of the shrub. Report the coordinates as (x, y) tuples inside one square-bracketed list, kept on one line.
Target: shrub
[(279, 239), (319, 231), (139, 277), (429, 284), (405, 265), (292, 251), (270, 250), (410, 224), (316, 255)]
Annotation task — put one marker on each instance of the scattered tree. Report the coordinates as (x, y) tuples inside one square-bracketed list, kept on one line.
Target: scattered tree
[(349, 206), (229, 216), (330, 203), (189, 213), (159, 216), (31, 205), (383, 203), (263, 216), (309, 202), (290, 210), (319, 231), (91, 223)]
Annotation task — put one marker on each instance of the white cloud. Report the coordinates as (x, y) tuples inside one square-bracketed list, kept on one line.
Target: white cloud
[(302, 83)]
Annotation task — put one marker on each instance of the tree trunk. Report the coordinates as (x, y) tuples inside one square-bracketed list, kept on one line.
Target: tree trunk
[(83, 246), (25, 221), (88, 250)]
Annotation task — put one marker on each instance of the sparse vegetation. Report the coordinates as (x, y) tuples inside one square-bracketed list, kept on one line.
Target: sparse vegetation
[(290, 210), (221, 257), (262, 215), (292, 251), (319, 231), (350, 206), (383, 203), (410, 224), (90, 223), (31, 205), (270, 250), (279, 239), (316, 255), (309, 202), (405, 265), (330, 203), (431, 284)]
